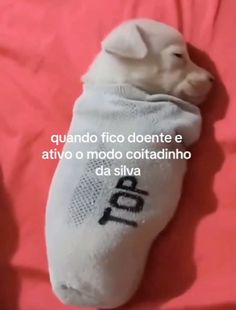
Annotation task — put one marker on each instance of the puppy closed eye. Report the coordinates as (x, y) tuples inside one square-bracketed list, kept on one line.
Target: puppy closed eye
[(178, 55), (179, 59)]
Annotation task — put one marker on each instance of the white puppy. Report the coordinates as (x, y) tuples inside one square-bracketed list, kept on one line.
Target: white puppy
[(152, 56), (99, 229)]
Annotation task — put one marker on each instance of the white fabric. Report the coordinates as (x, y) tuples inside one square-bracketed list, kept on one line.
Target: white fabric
[(95, 259)]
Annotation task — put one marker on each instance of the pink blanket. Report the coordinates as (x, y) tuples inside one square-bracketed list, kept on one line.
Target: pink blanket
[(45, 47)]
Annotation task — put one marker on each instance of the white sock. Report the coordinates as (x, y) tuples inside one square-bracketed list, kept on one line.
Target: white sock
[(99, 229)]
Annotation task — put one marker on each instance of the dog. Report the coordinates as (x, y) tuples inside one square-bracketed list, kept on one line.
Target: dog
[(151, 56), (99, 229)]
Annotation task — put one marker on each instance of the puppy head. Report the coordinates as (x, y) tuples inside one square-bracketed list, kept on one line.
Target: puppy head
[(157, 60), (152, 56)]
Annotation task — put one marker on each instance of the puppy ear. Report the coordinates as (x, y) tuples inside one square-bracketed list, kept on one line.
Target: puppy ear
[(126, 42)]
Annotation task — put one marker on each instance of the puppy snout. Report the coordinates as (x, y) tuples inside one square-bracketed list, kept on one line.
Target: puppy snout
[(201, 82)]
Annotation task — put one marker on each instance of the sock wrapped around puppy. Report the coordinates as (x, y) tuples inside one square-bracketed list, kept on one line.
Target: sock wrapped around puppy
[(99, 229)]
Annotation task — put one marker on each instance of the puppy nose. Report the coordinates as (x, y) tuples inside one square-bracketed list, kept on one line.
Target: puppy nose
[(211, 79)]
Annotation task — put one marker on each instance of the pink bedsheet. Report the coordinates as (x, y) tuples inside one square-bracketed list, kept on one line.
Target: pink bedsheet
[(45, 47)]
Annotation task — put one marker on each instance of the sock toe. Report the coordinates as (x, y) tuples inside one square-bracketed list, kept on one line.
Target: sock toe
[(72, 296), (80, 297)]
